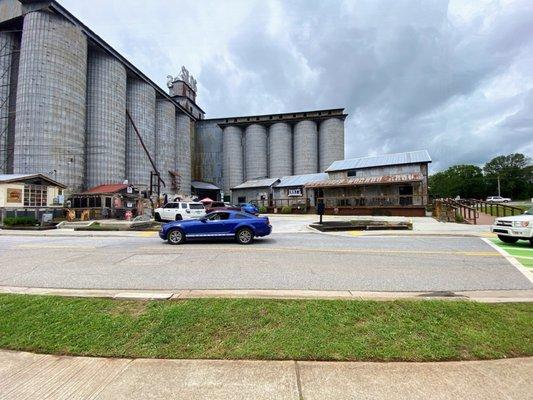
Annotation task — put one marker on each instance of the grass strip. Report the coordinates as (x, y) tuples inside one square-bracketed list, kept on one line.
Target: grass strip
[(267, 329), (520, 250)]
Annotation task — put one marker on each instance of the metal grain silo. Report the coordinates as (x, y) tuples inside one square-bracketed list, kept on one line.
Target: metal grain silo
[(305, 148), (232, 160), (51, 94), (140, 102), (330, 142), (255, 152), (183, 149), (280, 150), (106, 124), (209, 152), (165, 143), (8, 46)]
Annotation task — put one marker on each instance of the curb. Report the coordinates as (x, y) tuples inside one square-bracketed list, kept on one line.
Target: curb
[(489, 296)]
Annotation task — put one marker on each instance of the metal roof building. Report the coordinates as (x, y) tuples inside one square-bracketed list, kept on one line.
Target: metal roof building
[(410, 157), (301, 180)]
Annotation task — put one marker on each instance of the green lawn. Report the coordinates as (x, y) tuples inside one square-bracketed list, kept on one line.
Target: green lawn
[(267, 329), (520, 250)]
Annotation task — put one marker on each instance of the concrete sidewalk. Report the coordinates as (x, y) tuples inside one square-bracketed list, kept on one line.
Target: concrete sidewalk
[(33, 376)]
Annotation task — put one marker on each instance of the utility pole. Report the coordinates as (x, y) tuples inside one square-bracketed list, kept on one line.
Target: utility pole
[(499, 193)]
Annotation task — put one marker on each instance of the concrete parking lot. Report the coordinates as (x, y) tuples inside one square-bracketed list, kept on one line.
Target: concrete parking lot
[(297, 260)]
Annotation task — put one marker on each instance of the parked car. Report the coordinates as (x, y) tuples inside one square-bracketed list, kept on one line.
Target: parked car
[(512, 229), (179, 210), (498, 199), (249, 208), (220, 206), (241, 226)]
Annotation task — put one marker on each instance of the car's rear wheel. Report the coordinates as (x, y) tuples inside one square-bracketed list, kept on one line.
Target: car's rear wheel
[(176, 236), (244, 236), (507, 239), (178, 217), (157, 217)]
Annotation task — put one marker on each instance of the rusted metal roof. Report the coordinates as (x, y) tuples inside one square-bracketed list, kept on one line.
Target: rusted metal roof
[(410, 157), (371, 180), (11, 178), (113, 188), (257, 183)]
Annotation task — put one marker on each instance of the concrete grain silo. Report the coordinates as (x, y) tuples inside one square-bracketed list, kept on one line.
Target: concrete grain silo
[(106, 123), (255, 150), (280, 150), (183, 149), (8, 51), (232, 160), (51, 95), (140, 102), (209, 152), (305, 143), (165, 143), (330, 142)]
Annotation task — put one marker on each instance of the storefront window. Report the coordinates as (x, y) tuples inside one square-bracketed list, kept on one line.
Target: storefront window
[(35, 195)]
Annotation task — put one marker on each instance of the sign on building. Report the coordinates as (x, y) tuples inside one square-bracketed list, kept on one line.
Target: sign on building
[(295, 192), (14, 195)]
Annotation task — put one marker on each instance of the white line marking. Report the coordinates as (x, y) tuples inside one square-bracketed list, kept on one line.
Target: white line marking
[(511, 259)]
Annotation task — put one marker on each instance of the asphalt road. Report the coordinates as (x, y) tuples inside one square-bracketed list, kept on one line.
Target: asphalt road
[(281, 261)]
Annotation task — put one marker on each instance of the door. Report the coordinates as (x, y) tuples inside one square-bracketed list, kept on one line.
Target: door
[(169, 211)]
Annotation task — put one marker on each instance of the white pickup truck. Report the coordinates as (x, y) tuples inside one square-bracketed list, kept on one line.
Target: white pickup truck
[(178, 210), (512, 229)]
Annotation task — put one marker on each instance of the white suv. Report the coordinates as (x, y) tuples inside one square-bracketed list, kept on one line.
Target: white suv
[(176, 211), (512, 229)]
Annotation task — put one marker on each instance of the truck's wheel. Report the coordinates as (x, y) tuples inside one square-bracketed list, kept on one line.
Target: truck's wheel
[(507, 239), (157, 217), (176, 236), (244, 236), (178, 217)]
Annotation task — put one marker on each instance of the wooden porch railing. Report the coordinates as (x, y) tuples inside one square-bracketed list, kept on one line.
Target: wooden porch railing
[(494, 209), (449, 210)]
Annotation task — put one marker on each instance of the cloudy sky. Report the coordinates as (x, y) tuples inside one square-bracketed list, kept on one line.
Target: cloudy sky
[(454, 77)]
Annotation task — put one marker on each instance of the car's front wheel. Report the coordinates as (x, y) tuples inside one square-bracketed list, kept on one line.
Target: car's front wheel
[(507, 239), (244, 236), (175, 236)]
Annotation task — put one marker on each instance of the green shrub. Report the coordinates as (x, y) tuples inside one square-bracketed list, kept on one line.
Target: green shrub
[(19, 221), (262, 209), (459, 218), (286, 210)]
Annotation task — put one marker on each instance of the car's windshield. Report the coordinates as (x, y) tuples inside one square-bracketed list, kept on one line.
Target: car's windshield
[(529, 211)]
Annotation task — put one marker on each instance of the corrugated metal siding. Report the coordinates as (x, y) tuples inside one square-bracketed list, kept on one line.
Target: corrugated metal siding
[(208, 154), (106, 125), (410, 157), (140, 102), (165, 143), (51, 96)]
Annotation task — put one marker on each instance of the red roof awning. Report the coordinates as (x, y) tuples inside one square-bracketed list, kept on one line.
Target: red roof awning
[(113, 188)]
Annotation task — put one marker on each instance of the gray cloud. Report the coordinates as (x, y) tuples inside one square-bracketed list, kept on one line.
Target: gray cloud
[(452, 77)]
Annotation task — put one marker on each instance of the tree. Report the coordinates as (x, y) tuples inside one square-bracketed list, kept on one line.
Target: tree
[(515, 174), (466, 181)]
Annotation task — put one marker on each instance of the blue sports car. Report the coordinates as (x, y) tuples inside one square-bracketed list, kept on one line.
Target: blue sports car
[(232, 224), (249, 208)]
